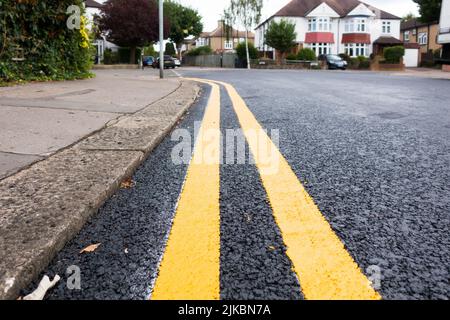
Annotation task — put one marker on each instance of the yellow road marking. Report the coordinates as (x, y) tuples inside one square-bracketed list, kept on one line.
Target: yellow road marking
[(190, 268), (325, 269)]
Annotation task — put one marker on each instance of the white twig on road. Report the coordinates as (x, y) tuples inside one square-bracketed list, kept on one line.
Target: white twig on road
[(42, 289)]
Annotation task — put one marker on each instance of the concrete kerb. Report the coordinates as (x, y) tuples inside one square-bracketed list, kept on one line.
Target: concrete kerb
[(44, 206)]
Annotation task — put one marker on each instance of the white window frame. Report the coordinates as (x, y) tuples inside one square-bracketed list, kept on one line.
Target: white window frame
[(320, 48), (406, 36), (201, 42), (320, 24), (228, 44), (356, 25), (422, 39), (312, 24), (356, 49), (386, 27)]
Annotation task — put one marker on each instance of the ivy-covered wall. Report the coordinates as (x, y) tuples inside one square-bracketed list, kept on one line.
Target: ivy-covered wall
[(36, 31)]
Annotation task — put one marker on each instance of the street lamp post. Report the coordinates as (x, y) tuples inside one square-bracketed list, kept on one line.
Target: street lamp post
[(161, 39)]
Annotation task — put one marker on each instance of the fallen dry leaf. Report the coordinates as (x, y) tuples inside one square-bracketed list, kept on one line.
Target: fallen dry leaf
[(127, 184), (90, 248)]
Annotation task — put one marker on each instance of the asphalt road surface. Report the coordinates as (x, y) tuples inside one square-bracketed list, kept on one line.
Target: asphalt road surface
[(371, 150)]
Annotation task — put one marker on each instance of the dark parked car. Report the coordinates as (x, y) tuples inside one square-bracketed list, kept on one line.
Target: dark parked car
[(147, 61), (334, 61), (169, 62)]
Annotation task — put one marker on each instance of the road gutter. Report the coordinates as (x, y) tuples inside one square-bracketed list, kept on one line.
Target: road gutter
[(44, 206)]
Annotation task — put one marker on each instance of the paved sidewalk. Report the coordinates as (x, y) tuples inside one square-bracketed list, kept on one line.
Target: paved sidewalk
[(39, 119), (424, 73), (106, 127)]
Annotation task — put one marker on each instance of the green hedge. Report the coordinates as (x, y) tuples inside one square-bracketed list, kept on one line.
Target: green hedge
[(200, 51), (241, 51), (394, 54), (37, 31), (306, 54)]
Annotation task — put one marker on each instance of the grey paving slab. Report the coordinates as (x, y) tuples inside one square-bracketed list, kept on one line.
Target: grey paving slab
[(11, 163), (43, 131)]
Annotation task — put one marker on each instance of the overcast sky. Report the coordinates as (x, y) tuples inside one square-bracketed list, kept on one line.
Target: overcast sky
[(211, 10)]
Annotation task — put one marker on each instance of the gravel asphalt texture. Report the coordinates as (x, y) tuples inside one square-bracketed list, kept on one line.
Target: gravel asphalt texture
[(372, 149)]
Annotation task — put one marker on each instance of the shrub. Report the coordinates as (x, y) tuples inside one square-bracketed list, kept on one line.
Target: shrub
[(200, 51), (110, 57), (364, 64), (361, 58), (345, 57), (394, 54), (37, 31), (354, 63), (291, 56), (170, 49), (306, 54), (242, 53)]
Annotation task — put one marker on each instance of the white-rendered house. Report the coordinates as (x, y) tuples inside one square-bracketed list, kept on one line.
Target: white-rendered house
[(336, 26), (93, 9)]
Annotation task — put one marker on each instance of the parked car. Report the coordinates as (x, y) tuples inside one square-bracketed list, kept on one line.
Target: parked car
[(177, 62), (169, 62), (333, 61), (147, 61)]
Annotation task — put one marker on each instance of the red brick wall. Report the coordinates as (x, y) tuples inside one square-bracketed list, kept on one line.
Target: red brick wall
[(446, 67)]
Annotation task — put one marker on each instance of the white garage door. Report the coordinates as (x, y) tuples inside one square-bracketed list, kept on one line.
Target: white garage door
[(411, 58)]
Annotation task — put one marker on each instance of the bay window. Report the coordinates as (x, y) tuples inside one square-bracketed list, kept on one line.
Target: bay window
[(320, 48), (357, 49)]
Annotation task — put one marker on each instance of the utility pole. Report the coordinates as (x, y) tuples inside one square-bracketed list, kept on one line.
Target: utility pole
[(161, 39)]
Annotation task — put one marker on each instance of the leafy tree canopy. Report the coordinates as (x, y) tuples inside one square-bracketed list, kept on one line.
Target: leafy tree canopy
[(430, 10), (281, 35), (408, 17), (184, 22), (131, 23)]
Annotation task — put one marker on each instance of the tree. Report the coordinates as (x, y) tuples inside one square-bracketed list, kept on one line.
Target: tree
[(430, 10), (131, 23), (241, 51), (408, 17), (170, 49), (281, 36), (246, 13), (184, 22)]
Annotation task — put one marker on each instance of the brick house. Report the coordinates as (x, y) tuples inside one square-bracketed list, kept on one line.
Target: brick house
[(221, 39), (336, 26), (423, 34)]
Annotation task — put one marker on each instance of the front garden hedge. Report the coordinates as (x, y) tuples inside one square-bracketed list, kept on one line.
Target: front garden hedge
[(36, 44)]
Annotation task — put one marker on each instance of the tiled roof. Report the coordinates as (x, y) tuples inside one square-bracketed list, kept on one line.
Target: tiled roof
[(301, 8), (220, 32), (414, 23), (387, 40)]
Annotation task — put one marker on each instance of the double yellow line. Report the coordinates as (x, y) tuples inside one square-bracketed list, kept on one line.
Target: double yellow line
[(190, 269)]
